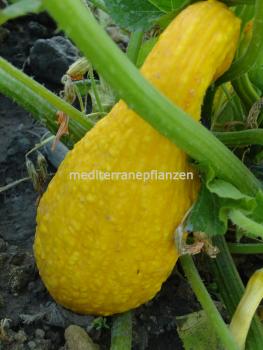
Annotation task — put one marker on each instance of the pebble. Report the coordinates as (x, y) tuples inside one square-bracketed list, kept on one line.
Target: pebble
[(49, 59), (20, 336), (40, 333), (19, 279), (31, 344), (78, 339)]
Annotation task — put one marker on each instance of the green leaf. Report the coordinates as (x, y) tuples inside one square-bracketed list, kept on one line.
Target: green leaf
[(169, 5), (204, 216), (133, 14), (20, 8), (197, 332), (217, 202)]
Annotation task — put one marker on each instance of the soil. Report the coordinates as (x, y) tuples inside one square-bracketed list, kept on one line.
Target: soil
[(30, 319)]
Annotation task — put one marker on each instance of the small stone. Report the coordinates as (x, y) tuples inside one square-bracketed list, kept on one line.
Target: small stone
[(50, 58), (20, 336), (19, 278), (40, 333), (43, 344), (31, 344), (78, 339)]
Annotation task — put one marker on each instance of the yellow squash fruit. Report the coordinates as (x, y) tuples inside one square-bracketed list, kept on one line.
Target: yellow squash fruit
[(104, 247)]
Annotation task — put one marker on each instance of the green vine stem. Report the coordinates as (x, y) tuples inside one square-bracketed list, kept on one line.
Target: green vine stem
[(231, 289), (116, 68), (47, 95), (40, 109), (246, 91), (135, 45), (245, 248), (207, 303), (247, 61), (244, 222), (241, 138), (121, 333)]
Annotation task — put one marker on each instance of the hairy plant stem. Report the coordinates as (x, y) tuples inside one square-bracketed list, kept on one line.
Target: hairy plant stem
[(245, 248), (245, 90), (47, 95), (207, 303), (241, 138), (244, 222), (231, 289), (145, 99), (135, 45), (41, 103)]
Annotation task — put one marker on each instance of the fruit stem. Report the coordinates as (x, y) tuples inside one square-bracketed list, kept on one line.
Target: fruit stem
[(248, 60)]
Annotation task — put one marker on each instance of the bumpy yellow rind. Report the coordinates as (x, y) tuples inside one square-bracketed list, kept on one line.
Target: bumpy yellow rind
[(104, 247)]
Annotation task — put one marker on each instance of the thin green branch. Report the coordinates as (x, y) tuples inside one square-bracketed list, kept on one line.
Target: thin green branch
[(244, 222), (245, 248), (13, 184), (40, 90), (248, 60), (241, 138), (146, 100), (246, 91), (40, 109), (135, 45), (208, 305)]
